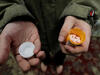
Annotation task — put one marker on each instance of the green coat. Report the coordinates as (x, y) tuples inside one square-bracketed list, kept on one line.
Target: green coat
[(47, 15)]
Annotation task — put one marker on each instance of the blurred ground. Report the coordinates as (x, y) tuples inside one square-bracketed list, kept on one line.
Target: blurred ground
[(86, 64)]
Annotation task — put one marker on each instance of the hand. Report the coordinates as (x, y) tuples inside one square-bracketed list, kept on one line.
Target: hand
[(69, 23), (13, 35)]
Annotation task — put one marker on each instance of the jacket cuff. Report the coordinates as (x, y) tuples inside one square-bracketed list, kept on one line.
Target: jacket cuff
[(76, 10), (10, 13)]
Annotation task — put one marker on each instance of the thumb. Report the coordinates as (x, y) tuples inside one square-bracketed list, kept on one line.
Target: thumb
[(68, 24), (4, 48)]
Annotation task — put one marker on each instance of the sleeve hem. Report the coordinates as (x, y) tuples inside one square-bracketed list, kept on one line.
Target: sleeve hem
[(76, 10)]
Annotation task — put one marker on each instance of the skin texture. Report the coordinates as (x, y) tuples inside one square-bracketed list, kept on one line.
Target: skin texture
[(69, 23), (16, 33), (13, 35)]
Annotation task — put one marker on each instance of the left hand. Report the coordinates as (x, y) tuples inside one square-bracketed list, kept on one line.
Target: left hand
[(69, 23)]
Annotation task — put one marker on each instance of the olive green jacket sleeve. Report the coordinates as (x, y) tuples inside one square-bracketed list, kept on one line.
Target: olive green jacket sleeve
[(81, 9), (10, 9)]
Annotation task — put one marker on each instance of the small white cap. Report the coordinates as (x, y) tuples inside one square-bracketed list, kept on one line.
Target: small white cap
[(26, 49)]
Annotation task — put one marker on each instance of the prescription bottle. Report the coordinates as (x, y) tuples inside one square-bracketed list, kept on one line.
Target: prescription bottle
[(75, 36)]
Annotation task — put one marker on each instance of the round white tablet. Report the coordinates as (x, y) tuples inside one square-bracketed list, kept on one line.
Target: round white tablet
[(26, 49)]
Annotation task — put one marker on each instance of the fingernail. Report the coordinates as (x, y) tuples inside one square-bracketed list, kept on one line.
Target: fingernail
[(61, 39)]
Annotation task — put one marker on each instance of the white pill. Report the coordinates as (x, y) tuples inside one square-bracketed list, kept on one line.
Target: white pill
[(26, 49)]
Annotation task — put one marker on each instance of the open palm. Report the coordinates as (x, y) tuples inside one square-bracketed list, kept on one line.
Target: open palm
[(13, 35)]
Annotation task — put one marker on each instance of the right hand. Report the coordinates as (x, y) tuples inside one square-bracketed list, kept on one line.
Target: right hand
[(13, 35)]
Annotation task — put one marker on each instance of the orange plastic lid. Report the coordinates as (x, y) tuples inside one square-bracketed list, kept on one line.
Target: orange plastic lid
[(76, 36)]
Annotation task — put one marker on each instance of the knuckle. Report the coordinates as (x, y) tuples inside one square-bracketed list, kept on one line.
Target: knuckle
[(69, 17), (86, 49), (18, 58), (63, 32), (24, 66)]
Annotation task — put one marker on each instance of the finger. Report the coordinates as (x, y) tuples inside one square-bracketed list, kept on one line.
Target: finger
[(87, 41), (36, 40), (86, 45), (68, 24), (4, 48), (74, 49), (41, 55), (63, 48), (37, 44), (34, 61), (24, 64)]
